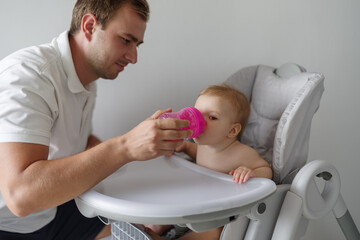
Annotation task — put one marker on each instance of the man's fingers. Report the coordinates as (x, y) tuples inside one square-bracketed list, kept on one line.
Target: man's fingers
[(170, 145), (171, 123), (175, 134), (159, 112)]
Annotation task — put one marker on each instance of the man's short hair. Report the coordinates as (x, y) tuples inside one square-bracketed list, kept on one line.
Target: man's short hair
[(104, 10)]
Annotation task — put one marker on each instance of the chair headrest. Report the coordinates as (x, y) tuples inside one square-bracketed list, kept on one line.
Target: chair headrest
[(288, 70)]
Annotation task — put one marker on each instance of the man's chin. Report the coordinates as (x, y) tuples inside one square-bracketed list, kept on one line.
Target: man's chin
[(110, 76)]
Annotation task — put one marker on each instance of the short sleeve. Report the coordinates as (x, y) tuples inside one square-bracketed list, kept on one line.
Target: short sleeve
[(27, 106)]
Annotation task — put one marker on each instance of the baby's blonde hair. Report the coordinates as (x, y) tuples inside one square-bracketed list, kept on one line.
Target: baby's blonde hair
[(236, 99)]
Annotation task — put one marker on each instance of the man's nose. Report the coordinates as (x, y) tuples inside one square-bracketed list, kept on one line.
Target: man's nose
[(131, 55)]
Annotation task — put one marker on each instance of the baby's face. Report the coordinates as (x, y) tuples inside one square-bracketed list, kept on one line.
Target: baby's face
[(219, 118)]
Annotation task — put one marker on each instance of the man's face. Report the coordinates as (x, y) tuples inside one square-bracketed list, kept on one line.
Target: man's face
[(115, 46)]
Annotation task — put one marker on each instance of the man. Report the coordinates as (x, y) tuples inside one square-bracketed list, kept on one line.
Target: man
[(46, 101)]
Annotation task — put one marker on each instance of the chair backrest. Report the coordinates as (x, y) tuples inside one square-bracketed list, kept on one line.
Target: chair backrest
[(283, 102)]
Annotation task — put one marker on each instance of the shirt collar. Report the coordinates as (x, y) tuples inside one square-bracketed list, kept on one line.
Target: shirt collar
[(63, 45)]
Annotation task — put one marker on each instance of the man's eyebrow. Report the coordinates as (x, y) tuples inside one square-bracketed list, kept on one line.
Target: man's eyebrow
[(134, 39)]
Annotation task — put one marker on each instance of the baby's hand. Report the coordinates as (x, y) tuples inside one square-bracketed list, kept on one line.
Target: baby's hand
[(181, 148), (242, 174)]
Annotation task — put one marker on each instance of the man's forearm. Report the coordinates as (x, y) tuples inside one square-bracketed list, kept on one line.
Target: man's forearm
[(42, 184), (92, 141)]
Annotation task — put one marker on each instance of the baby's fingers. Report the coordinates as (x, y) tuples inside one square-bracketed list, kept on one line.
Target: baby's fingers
[(241, 175), (236, 176), (248, 175)]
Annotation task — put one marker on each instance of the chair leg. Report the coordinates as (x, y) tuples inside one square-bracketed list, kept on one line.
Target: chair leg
[(345, 220)]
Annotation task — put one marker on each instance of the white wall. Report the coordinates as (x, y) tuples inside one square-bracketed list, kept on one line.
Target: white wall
[(190, 44)]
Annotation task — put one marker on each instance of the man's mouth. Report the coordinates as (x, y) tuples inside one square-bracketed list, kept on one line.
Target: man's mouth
[(121, 66)]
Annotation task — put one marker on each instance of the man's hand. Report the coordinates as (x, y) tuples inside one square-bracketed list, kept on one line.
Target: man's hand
[(155, 137)]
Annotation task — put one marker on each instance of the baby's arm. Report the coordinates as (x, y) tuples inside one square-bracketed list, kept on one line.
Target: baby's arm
[(263, 170), (242, 174), (189, 148), (254, 166)]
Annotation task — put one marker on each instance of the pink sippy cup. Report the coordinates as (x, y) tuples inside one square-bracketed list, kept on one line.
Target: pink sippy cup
[(194, 116)]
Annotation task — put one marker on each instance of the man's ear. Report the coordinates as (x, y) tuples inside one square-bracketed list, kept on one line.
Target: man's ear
[(235, 129), (88, 23)]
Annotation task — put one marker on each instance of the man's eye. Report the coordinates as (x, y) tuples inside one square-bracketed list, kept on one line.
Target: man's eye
[(125, 40)]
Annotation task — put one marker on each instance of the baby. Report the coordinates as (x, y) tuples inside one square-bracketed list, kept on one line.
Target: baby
[(226, 112)]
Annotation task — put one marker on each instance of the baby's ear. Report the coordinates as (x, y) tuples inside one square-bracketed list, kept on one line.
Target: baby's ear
[(235, 129)]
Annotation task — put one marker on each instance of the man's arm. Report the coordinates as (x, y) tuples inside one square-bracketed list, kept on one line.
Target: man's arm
[(92, 141), (30, 183)]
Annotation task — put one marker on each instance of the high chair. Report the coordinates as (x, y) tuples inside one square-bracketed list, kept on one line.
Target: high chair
[(175, 191)]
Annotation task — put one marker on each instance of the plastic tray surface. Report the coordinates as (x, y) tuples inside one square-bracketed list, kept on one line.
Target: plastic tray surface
[(169, 190)]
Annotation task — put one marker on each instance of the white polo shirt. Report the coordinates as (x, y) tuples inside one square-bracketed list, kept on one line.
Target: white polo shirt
[(43, 101)]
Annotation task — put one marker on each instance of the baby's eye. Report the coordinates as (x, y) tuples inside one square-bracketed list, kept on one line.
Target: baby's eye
[(212, 118)]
